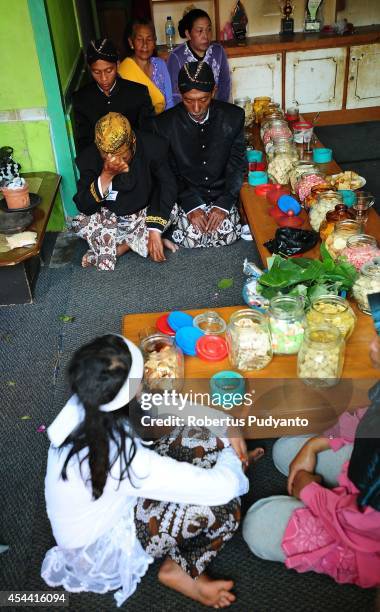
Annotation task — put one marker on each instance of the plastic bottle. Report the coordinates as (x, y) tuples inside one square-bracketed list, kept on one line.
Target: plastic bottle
[(169, 33)]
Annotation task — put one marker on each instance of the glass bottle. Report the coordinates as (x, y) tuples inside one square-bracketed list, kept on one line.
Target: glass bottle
[(343, 230), (169, 33), (326, 202), (332, 310), (361, 249), (368, 282), (321, 356), (163, 363), (287, 324), (249, 340)]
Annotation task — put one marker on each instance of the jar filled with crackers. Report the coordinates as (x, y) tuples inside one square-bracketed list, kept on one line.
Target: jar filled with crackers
[(163, 363)]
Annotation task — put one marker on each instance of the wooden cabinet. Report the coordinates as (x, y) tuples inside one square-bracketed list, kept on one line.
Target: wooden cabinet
[(364, 76), (258, 75), (315, 79)]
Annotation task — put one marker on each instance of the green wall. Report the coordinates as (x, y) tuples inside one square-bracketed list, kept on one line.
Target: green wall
[(20, 78), (65, 37)]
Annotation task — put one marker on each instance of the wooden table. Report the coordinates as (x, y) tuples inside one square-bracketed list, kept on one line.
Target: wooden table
[(19, 267), (277, 390)]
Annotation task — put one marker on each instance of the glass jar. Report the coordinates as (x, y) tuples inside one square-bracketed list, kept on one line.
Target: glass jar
[(368, 282), (361, 249), (332, 310), (343, 230), (292, 115), (300, 167), (361, 208), (163, 363), (210, 323), (281, 164), (246, 104), (260, 104), (339, 213), (326, 202), (280, 141), (306, 181), (302, 132), (321, 356), (315, 191), (274, 128), (287, 323), (249, 340)]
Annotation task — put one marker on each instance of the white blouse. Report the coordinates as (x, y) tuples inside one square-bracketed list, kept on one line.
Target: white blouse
[(97, 548)]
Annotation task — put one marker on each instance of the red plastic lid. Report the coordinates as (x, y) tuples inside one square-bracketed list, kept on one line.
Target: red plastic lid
[(163, 325), (211, 348), (276, 213), (302, 125), (262, 190), (285, 221)]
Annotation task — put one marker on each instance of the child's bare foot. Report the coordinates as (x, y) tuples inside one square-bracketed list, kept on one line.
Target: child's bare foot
[(255, 455), (168, 244), (212, 593), (121, 249)]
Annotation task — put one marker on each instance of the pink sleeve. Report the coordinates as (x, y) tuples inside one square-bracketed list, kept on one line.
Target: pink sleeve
[(344, 430)]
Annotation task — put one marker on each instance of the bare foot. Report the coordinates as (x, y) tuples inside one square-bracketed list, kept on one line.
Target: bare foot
[(255, 455), (86, 263), (121, 249), (170, 245), (212, 593)]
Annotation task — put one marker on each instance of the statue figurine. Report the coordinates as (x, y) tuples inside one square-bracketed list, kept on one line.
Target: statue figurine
[(239, 21), (287, 22)]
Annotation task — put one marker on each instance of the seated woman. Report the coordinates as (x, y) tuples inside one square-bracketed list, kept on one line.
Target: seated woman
[(330, 531), (115, 505), (196, 27), (142, 65), (126, 194)]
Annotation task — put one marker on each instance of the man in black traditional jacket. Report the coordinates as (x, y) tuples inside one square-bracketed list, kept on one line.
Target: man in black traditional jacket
[(107, 93), (207, 155), (126, 194)]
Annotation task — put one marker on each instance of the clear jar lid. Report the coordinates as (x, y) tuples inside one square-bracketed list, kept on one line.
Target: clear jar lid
[(329, 196), (210, 323), (286, 307), (156, 342), (371, 269), (323, 336), (356, 242), (246, 319)]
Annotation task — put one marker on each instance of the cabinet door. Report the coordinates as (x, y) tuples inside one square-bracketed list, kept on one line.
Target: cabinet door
[(258, 75), (314, 79), (364, 76)]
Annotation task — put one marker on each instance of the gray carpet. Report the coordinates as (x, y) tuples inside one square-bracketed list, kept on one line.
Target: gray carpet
[(35, 347)]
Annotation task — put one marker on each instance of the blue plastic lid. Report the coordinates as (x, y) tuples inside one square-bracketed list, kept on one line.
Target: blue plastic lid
[(177, 319), (287, 202), (186, 338)]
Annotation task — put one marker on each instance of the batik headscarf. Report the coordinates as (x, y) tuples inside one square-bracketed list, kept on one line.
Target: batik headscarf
[(101, 49), (196, 75), (113, 134)]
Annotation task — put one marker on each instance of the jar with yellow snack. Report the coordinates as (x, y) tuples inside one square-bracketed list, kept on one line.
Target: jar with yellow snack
[(260, 104), (163, 363), (321, 356), (332, 310), (343, 230)]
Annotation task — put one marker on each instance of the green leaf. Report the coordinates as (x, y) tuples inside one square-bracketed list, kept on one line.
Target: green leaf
[(11, 383), (225, 283), (26, 417), (66, 318)]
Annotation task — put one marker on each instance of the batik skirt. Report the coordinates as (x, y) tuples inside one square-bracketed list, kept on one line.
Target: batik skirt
[(190, 237), (190, 535)]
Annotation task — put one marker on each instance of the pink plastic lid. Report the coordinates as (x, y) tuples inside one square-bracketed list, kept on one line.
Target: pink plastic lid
[(211, 348)]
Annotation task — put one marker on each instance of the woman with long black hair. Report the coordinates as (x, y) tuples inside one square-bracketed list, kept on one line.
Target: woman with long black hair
[(115, 505)]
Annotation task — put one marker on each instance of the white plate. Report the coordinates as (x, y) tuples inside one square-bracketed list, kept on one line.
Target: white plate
[(361, 178)]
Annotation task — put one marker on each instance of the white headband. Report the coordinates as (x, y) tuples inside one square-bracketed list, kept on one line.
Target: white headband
[(72, 414)]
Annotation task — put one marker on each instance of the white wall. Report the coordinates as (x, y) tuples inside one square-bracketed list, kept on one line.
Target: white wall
[(361, 12)]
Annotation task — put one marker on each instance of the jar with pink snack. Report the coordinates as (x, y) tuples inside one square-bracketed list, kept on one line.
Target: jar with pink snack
[(361, 249), (306, 182)]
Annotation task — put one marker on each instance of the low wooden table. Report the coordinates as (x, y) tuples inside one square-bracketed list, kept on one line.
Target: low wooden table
[(19, 267), (277, 390)]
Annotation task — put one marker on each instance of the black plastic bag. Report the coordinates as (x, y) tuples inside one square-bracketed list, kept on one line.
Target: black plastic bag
[(291, 241)]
